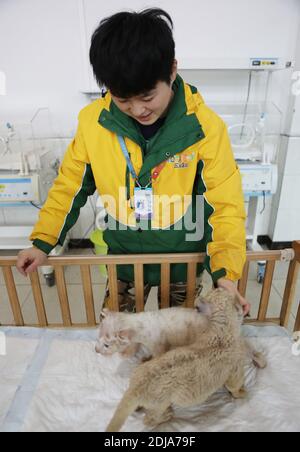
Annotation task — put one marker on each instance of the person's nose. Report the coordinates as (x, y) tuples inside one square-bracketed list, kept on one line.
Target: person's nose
[(138, 110)]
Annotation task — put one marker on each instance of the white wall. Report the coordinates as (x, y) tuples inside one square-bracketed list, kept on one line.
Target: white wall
[(41, 54), (44, 55), (285, 214)]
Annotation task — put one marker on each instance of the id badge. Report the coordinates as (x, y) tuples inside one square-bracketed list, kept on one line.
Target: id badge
[(143, 203)]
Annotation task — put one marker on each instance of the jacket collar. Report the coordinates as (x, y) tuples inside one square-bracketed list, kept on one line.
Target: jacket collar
[(180, 130)]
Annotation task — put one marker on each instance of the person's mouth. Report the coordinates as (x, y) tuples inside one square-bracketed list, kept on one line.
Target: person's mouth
[(144, 118)]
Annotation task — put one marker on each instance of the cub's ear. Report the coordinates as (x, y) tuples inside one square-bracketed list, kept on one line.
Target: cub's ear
[(103, 314), (203, 308), (126, 335)]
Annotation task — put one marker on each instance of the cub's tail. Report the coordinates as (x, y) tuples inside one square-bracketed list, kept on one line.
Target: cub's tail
[(126, 407)]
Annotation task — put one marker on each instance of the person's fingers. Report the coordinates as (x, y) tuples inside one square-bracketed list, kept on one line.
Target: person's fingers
[(32, 267), (23, 273), (20, 270), (246, 309), (21, 265), (246, 306)]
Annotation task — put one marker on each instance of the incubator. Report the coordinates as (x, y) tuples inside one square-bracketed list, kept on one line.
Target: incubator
[(254, 130), (29, 164)]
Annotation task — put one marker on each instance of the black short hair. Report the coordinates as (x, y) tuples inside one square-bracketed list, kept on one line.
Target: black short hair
[(131, 51)]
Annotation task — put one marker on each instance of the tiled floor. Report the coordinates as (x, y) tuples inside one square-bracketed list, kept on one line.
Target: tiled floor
[(75, 293)]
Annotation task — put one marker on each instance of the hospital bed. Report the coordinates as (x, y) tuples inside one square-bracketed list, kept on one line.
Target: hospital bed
[(52, 380)]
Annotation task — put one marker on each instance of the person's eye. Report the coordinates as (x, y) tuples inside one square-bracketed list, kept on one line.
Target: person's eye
[(148, 99)]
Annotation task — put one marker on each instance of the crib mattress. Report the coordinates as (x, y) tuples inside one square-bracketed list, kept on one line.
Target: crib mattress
[(53, 381)]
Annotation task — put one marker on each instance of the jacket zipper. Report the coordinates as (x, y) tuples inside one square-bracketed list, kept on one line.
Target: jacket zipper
[(127, 177)]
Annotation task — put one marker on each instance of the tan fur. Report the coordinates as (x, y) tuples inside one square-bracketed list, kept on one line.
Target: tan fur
[(258, 358), (189, 375)]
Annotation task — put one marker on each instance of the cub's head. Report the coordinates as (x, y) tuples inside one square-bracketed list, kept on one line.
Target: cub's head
[(113, 336), (220, 303)]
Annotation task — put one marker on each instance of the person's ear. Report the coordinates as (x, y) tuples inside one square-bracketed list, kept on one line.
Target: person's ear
[(174, 72)]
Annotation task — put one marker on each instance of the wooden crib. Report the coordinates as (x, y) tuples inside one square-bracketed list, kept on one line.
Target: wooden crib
[(192, 259)]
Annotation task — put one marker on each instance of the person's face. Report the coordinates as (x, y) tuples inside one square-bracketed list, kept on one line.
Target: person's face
[(150, 106)]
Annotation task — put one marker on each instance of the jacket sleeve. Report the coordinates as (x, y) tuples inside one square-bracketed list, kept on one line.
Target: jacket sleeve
[(225, 230), (75, 182)]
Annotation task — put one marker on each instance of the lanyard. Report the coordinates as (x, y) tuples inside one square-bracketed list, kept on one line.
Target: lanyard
[(156, 171), (127, 157)]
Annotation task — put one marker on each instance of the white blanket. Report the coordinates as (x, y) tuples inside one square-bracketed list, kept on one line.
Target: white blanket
[(52, 380)]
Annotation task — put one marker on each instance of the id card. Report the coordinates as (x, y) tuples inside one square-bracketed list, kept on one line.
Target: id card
[(143, 203)]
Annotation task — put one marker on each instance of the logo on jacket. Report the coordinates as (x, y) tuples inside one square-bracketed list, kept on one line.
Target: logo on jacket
[(181, 160)]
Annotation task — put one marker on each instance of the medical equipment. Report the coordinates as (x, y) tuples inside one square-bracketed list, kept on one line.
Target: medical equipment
[(19, 189), (254, 129), (239, 138), (259, 180), (6, 140), (28, 167)]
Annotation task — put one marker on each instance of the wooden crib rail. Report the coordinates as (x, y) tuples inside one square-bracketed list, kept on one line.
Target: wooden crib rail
[(191, 259), (291, 286)]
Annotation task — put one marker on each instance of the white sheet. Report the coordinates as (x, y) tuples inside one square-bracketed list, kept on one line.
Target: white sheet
[(54, 381), (20, 352)]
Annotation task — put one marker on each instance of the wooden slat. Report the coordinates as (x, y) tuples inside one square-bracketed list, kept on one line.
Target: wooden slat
[(191, 285), (289, 293), (128, 259), (38, 299), (275, 320), (174, 258), (139, 287), (88, 294), (270, 255), (113, 288), (165, 286), (296, 248), (297, 323), (13, 296), (242, 284), (266, 291), (138, 260), (63, 296), (290, 287)]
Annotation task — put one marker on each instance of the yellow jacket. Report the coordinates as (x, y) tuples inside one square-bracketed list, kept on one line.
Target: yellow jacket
[(199, 165)]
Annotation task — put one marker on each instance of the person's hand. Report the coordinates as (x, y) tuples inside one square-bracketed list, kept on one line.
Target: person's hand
[(231, 287), (30, 259)]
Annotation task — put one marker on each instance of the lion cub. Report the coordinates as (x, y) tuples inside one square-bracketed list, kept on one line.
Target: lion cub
[(188, 375), (148, 334)]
